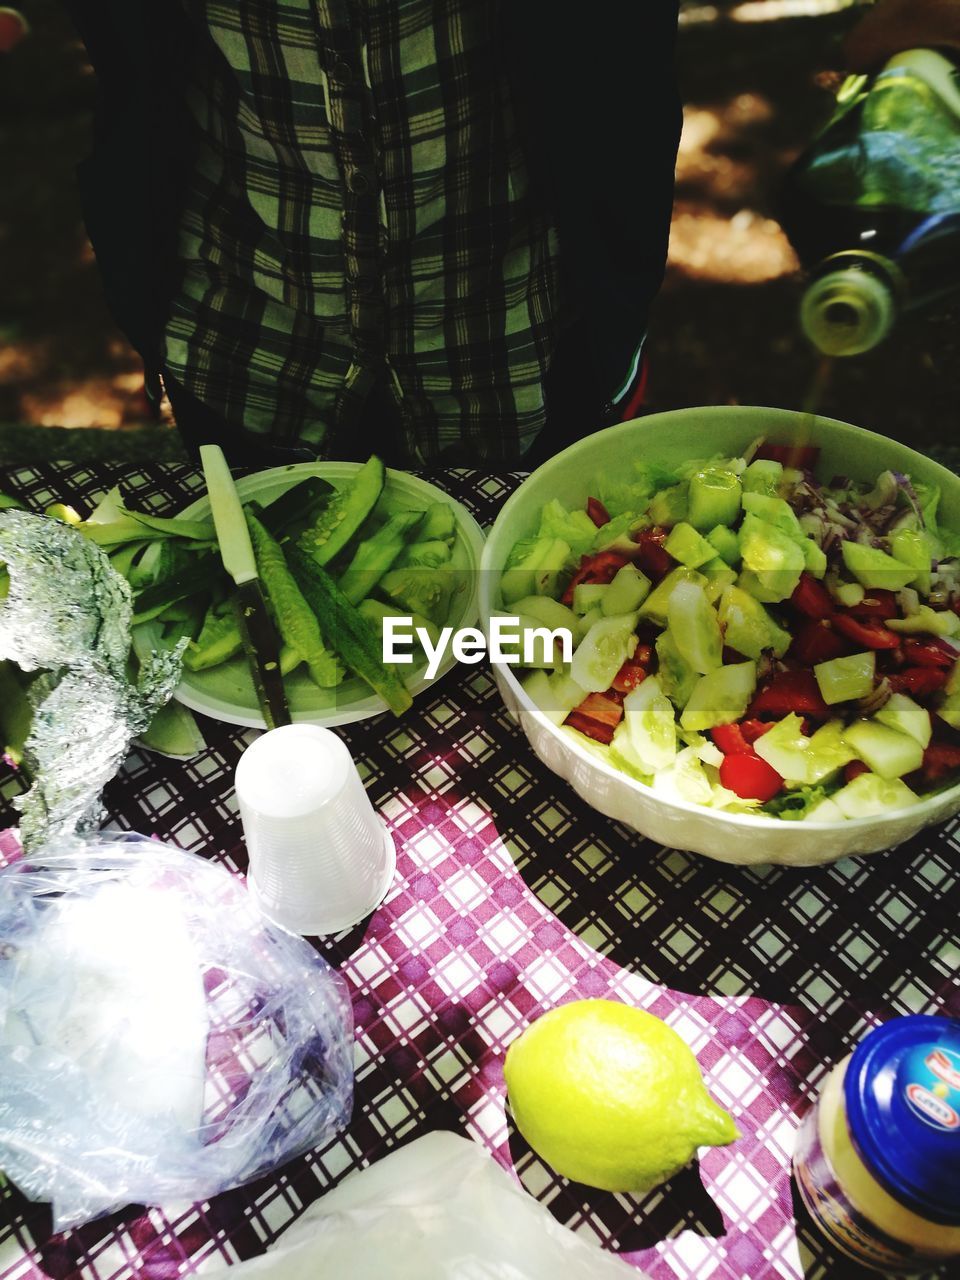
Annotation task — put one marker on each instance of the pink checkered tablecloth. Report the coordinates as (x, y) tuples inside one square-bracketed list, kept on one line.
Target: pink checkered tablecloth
[(513, 896)]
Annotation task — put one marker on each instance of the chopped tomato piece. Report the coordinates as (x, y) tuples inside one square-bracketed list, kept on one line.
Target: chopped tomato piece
[(939, 760), (877, 603), (600, 568), (730, 739), (788, 691), (812, 598), (630, 675), (592, 728), (651, 557), (802, 456), (866, 632), (932, 652), (918, 682), (750, 777), (754, 729), (597, 512), (601, 707), (816, 641), (854, 770)]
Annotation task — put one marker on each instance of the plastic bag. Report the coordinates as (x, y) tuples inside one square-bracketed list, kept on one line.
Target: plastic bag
[(159, 1040), (437, 1209)]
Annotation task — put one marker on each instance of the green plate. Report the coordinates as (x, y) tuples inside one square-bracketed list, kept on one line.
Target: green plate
[(226, 692)]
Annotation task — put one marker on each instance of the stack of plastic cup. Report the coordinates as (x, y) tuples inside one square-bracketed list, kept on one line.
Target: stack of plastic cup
[(320, 857)]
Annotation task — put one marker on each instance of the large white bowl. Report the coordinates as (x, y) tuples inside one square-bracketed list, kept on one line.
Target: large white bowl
[(670, 438)]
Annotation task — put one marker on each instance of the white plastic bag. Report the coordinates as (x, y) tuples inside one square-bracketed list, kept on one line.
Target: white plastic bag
[(159, 1040), (440, 1208)]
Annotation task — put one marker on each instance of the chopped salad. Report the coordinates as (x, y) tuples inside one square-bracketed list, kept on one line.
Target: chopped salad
[(750, 637)]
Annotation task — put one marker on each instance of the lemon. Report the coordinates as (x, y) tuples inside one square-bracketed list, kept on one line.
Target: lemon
[(610, 1096)]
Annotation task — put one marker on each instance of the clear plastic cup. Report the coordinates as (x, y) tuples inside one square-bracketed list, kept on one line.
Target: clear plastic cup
[(321, 858)]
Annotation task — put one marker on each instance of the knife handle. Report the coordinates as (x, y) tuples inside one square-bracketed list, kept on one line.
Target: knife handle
[(228, 518)]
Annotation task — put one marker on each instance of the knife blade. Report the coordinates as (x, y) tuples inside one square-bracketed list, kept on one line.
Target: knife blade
[(260, 645)]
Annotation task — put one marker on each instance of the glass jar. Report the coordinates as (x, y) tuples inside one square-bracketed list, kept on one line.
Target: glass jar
[(877, 1159)]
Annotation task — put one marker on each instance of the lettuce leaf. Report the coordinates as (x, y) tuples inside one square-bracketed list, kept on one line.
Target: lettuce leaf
[(796, 804), (575, 528)]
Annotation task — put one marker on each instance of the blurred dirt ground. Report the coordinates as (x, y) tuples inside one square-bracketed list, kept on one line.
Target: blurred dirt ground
[(724, 329)]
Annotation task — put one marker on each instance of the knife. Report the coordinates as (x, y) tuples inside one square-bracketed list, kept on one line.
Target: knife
[(236, 551)]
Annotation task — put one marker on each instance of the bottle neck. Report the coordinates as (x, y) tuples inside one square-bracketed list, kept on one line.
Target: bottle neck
[(851, 303)]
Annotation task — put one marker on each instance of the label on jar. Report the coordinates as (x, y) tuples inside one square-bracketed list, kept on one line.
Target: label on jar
[(843, 1224), (933, 1087)]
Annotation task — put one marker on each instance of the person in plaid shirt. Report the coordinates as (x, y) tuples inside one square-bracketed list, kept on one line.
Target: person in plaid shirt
[(344, 226)]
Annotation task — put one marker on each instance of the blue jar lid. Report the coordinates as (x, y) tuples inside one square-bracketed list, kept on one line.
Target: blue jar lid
[(902, 1095)]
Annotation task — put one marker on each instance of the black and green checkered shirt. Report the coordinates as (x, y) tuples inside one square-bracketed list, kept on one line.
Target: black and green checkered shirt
[(359, 211)]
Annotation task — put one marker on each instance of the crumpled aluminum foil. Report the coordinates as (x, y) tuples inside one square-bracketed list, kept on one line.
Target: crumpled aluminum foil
[(67, 614)]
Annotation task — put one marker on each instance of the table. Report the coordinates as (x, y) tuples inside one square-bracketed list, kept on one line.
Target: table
[(511, 897)]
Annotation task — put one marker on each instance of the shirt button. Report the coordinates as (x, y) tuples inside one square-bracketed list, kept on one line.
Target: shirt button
[(342, 72), (358, 183)]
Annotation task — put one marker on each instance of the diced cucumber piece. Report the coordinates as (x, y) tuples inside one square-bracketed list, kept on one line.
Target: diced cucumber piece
[(825, 811), (603, 651), (714, 497), (547, 573), (657, 602), (534, 645), (874, 568), (566, 693), (646, 737), (907, 716), (591, 617), (375, 555), (669, 506), (439, 523), (869, 796), (762, 476), (774, 511), (588, 595), (720, 697), (725, 543), (688, 546), (218, 641), (888, 752), (814, 558), (802, 760), (772, 555), (517, 580), (695, 627), (555, 695), (844, 679), (748, 627), (848, 594), (719, 576), (375, 611), (339, 520), (751, 584), (938, 622), (949, 710), (626, 592), (173, 731), (550, 613), (915, 548), (676, 676)]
